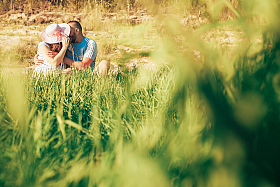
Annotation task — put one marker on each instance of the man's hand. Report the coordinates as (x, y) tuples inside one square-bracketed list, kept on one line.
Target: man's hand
[(52, 54), (37, 61), (68, 70)]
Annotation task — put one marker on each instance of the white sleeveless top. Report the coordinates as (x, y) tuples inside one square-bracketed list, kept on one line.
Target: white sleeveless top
[(45, 68)]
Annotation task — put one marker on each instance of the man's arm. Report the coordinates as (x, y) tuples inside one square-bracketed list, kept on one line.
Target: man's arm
[(80, 65), (39, 62)]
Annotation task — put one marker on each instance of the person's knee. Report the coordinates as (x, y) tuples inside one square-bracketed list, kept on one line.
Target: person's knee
[(104, 67), (105, 64)]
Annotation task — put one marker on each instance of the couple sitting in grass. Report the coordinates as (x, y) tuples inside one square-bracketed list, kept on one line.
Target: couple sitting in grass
[(56, 49)]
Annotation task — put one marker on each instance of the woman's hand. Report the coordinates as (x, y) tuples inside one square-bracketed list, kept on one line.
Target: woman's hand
[(65, 42)]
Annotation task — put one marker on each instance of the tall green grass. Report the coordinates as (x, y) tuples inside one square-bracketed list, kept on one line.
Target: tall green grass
[(82, 130)]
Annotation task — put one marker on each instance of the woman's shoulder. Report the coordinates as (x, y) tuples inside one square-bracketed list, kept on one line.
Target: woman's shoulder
[(43, 43)]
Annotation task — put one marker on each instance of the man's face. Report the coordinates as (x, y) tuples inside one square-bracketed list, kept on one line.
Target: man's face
[(72, 35)]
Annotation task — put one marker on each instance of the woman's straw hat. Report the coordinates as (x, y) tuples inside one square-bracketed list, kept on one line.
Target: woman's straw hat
[(55, 32)]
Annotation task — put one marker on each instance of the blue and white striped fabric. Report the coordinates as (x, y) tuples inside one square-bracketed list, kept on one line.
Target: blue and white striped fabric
[(45, 68), (87, 48)]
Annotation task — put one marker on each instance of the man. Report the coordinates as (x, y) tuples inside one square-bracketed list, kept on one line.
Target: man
[(82, 51)]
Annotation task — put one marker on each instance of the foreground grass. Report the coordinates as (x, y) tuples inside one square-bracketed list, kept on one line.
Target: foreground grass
[(83, 130)]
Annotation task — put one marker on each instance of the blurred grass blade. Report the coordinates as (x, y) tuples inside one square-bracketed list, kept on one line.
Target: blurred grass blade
[(61, 126), (72, 124), (17, 100), (229, 5)]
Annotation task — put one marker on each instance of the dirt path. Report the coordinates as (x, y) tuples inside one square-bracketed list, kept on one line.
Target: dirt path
[(7, 42)]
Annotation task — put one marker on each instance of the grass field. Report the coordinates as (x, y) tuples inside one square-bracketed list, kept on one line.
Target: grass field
[(205, 114)]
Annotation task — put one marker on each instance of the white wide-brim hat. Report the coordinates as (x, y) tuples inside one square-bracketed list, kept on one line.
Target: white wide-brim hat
[(55, 32)]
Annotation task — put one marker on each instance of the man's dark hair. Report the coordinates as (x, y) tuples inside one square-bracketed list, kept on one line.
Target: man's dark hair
[(76, 25)]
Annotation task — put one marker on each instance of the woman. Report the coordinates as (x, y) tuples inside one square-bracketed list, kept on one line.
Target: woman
[(55, 39)]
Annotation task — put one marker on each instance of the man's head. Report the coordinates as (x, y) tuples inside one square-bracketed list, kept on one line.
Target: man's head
[(76, 31)]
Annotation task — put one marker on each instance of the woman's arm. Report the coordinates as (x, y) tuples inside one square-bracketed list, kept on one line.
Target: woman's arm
[(59, 57)]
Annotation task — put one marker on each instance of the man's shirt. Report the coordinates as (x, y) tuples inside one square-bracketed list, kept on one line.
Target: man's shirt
[(87, 48)]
